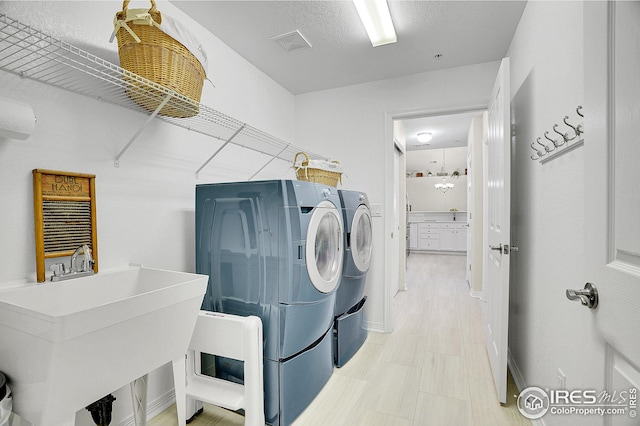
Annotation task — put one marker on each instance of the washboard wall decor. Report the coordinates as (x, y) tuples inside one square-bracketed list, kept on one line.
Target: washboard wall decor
[(64, 205)]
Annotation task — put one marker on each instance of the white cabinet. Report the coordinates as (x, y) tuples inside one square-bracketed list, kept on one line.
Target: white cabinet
[(413, 236), (447, 239), (428, 236), (453, 236), (438, 236)]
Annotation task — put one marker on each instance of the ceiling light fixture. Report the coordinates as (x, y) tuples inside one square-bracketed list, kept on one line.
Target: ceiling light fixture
[(444, 186), (424, 137), (376, 18)]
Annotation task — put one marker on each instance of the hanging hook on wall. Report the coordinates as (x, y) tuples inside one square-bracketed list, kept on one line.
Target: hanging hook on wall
[(546, 148), (560, 145), (539, 153), (565, 136), (577, 129), (555, 142)]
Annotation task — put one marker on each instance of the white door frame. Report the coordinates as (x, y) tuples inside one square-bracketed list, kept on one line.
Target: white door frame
[(390, 282)]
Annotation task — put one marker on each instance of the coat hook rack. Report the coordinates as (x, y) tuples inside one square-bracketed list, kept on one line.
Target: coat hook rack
[(569, 140)]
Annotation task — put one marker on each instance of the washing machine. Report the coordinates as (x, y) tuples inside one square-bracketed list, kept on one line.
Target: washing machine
[(349, 323), (274, 249)]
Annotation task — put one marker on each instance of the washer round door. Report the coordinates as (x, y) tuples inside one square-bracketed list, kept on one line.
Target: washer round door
[(324, 249), (361, 235)]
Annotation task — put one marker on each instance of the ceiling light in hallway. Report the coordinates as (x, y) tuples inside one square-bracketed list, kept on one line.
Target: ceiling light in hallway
[(424, 137), (377, 21)]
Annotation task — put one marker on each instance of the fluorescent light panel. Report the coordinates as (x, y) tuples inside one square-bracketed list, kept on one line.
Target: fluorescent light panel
[(377, 21)]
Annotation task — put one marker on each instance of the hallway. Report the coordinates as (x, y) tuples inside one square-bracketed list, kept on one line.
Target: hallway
[(432, 370)]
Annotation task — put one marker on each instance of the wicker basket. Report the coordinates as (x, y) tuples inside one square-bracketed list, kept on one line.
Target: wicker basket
[(312, 174), (163, 60)]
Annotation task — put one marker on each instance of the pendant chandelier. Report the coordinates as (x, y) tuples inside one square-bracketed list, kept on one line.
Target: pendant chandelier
[(444, 186)]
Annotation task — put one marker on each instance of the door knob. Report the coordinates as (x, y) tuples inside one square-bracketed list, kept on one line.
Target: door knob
[(588, 296)]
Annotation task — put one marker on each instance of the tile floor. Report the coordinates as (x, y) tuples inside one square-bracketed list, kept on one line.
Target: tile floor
[(432, 370)]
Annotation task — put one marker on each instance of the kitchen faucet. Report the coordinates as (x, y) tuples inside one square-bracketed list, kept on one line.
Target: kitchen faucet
[(86, 265)]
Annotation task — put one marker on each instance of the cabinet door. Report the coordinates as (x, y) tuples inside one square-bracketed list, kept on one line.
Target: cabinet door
[(461, 239), (447, 239)]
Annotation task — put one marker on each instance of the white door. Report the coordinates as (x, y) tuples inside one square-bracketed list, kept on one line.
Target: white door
[(324, 247), (495, 286), (612, 197)]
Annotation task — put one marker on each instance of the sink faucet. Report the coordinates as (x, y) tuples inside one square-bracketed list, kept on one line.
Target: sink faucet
[(87, 261), (86, 265)]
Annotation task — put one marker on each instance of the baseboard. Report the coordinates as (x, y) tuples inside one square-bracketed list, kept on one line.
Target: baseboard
[(154, 407), (515, 372), (519, 381), (374, 326), (455, 253)]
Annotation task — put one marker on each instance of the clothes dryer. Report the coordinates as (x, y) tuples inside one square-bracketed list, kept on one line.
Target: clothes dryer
[(349, 324), (274, 249)]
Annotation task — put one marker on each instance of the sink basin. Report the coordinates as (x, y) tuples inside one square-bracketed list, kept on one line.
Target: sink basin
[(64, 345)]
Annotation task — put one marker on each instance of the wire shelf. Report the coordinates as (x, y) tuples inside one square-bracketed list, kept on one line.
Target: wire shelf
[(38, 56)]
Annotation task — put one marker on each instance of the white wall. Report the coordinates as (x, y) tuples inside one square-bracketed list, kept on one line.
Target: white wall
[(432, 160), (354, 125), (424, 196), (145, 208), (546, 330), (422, 192)]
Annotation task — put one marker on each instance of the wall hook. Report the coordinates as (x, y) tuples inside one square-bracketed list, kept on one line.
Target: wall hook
[(577, 130), (560, 146), (539, 153), (564, 136), (555, 143), (546, 148)]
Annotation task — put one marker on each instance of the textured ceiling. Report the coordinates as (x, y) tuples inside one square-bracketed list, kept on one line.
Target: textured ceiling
[(464, 32)]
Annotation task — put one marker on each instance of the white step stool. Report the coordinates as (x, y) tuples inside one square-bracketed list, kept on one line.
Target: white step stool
[(232, 337)]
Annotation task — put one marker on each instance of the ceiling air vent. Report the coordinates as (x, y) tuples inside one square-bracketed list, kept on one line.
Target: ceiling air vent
[(292, 41)]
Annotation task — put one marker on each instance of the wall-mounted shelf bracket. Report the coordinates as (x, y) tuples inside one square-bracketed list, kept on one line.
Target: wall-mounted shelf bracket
[(236, 133), (116, 161), (268, 162)]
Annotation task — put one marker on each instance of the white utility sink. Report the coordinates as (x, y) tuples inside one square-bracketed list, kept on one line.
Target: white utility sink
[(66, 344)]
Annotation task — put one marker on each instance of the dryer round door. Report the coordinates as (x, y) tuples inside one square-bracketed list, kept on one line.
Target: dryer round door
[(324, 249), (361, 235)]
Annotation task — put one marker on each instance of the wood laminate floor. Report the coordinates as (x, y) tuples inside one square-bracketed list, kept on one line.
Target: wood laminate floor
[(432, 370)]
